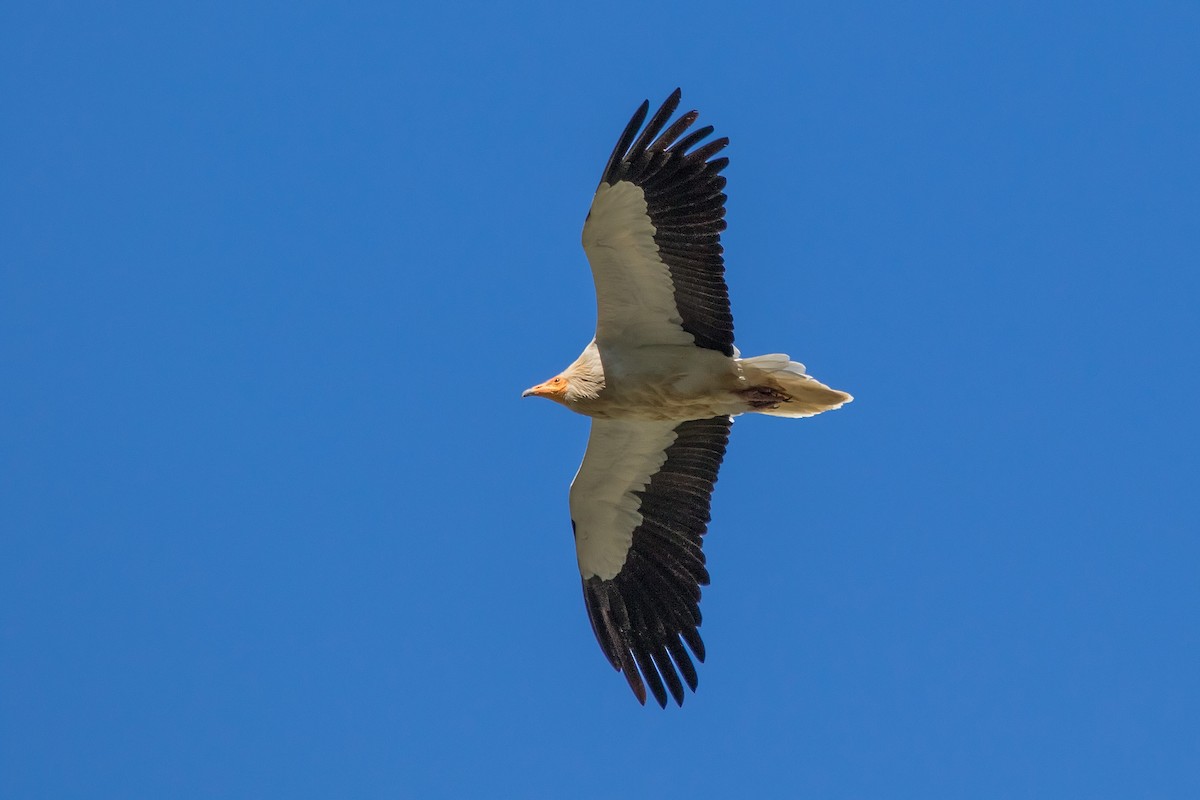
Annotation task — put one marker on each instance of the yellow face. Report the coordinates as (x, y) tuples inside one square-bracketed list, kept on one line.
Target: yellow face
[(553, 389)]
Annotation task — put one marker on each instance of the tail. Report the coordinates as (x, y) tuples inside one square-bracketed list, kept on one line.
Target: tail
[(780, 387)]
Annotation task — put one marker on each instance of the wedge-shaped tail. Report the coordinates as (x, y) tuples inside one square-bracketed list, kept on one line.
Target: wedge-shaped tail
[(781, 388)]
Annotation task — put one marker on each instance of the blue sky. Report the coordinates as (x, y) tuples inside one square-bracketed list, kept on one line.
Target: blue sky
[(276, 522)]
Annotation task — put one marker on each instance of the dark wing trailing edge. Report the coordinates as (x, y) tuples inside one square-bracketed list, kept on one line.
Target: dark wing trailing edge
[(644, 614), (686, 205)]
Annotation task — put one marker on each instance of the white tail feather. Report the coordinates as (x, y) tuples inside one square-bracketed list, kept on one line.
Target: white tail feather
[(806, 395)]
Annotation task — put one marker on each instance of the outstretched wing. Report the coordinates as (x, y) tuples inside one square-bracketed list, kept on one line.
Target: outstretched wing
[(639, 509), (653, 237)]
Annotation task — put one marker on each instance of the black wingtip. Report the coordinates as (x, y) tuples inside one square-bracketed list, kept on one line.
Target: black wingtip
[(633, 678), (626, 139), (631, 145)]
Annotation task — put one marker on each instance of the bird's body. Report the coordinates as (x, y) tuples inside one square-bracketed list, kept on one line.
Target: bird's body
[(659, 383), (662, 382), (656, 383)]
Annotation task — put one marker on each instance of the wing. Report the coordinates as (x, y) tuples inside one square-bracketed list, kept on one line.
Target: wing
[(653, 237), (639, 509)]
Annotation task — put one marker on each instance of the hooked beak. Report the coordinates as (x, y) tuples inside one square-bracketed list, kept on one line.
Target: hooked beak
[(554, 389)]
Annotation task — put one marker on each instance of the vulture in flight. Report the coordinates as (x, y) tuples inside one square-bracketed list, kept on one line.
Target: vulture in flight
[(662, 382)]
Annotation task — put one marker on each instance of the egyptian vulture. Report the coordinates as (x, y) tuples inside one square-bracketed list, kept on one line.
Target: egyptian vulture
[(662, 382)]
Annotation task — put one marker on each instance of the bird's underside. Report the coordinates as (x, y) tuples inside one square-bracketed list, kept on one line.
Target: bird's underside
[(662, 382)]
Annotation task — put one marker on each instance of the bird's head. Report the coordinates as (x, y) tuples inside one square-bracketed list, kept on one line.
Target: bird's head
[(579, 383), (553, 389)]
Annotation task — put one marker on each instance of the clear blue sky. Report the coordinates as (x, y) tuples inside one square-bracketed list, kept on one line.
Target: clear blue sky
[(276, 523)]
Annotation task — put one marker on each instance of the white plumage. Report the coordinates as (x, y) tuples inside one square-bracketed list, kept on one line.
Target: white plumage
[(662, 382), (621, 456)]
